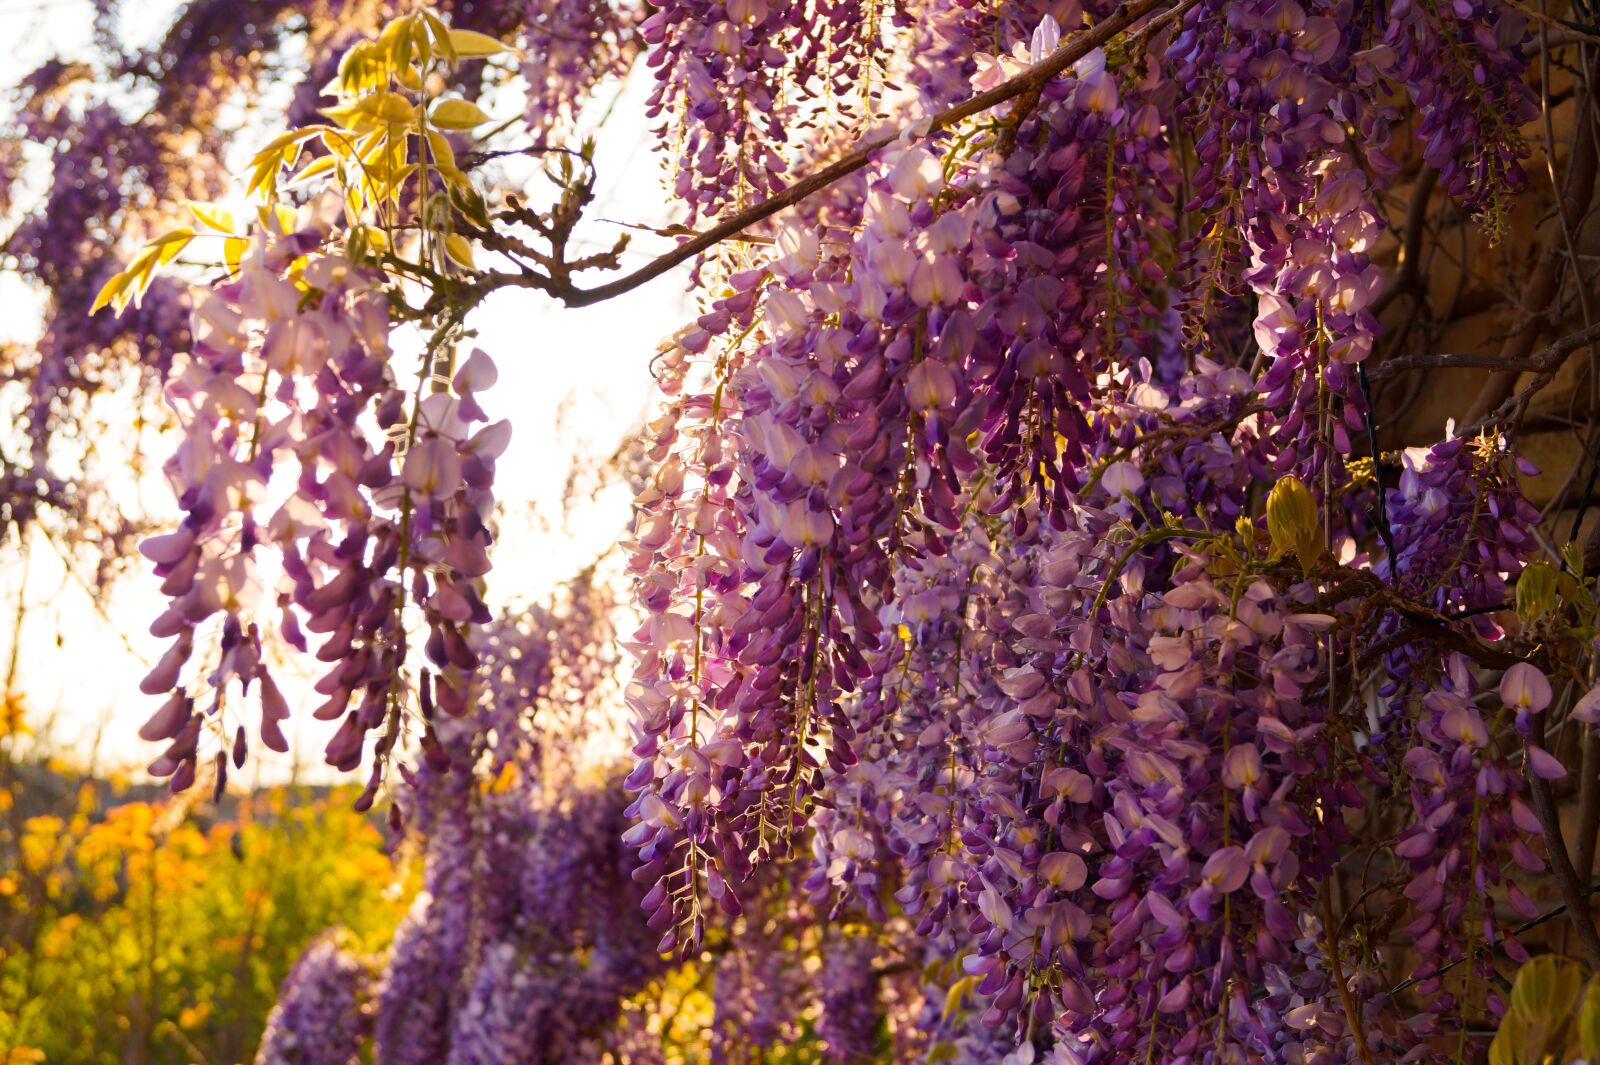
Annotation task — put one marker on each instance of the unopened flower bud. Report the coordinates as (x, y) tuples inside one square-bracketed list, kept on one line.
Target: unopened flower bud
[(1292, 520)]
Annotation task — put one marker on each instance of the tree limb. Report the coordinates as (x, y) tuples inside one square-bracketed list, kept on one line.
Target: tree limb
[(1409, 276), (1030, 80), (1572, 890), (1588, 806), (1545, 363)]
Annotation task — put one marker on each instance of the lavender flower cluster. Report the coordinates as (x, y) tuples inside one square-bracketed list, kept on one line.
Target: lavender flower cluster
[(1013, 680), (956, 572)]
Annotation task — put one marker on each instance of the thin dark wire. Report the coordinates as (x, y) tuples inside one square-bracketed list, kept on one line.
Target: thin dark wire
[(1543, 918), (1384, 531), (1584, 500)]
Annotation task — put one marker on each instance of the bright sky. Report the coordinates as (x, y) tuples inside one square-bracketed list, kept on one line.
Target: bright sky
[(574, 383)]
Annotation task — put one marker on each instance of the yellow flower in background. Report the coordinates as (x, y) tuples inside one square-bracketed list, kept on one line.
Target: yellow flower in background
[(201, 913)]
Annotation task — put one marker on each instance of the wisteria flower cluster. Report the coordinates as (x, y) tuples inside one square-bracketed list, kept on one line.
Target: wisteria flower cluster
[(1044, 648)]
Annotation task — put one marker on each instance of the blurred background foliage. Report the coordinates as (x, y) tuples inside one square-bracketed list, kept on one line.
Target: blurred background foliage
[(139, 929)]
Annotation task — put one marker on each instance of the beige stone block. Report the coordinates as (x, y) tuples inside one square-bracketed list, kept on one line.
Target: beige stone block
[(1557, 453), (1438, 395), (1588, 239), (1570, 395), (1556, 529)]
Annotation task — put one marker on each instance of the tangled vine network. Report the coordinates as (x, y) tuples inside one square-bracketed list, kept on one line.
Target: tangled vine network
[(1111, 575)]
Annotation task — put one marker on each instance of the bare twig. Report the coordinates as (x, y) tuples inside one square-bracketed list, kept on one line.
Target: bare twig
[(1409, 276), (1385, 532), (1546, 362), (1588, 806), (1350, 1015), (1560, 350), (1575, 31), (1032, 79), (1544, 284)]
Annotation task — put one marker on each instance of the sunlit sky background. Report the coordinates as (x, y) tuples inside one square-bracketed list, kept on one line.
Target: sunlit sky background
[(574, 382)]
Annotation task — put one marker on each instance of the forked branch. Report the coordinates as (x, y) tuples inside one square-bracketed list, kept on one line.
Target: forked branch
[(1032, 80)]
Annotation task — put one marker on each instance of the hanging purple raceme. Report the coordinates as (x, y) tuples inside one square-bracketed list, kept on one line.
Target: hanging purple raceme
[(321, 1017), (1016, 675), (1462, 64), (852, 1013), (526, 939), (373, 519), (573, 46), (735, 79)]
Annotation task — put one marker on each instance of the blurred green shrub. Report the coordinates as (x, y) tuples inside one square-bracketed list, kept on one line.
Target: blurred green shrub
[(133, 933)]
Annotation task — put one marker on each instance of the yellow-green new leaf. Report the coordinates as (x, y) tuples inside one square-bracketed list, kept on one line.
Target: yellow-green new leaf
[(111, 290), (392, 37), (137, 277), (403, 46), (264, 179), (1589, 1022), (372, 236), (320, 165), (233, 250), (277, 216), (958, 994), (168, 245), (454, 176), (1507, 1041), (145, 261), (337, 142), (469, 44), (1537, 592), (456, 246), (390, 107), (442, 154), (347, 116), (1546, 988), (458, 114), (213, 217), (409, 76), (275, 146), (361, 67), (1573, 553), (420, 41), (441, 36)]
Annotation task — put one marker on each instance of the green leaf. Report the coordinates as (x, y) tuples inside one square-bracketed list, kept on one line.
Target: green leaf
[(212, 217), (469, 44), (1589, 1022), (458, 114), (1545, 989), (957, 996), (111, 290)]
